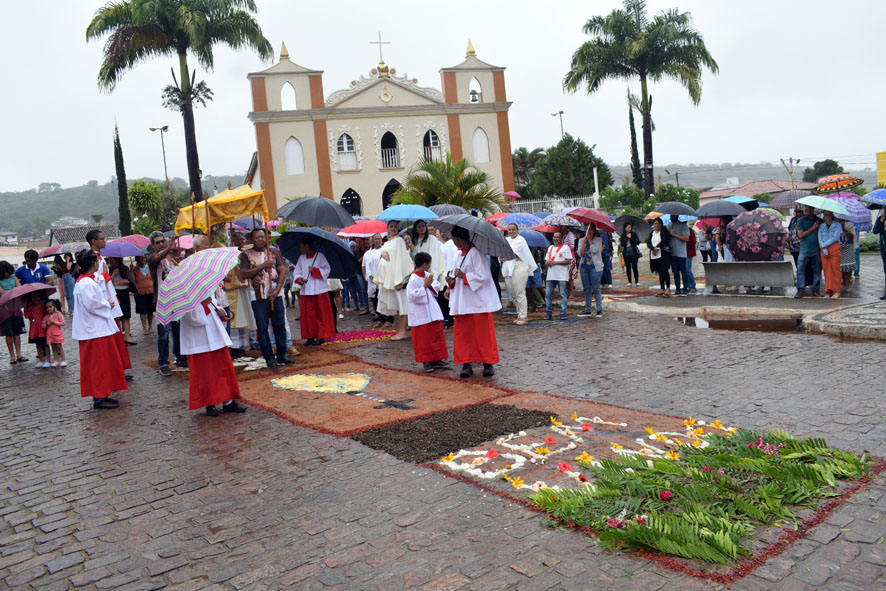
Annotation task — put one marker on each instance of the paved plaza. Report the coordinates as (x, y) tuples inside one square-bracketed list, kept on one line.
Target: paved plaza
[(152, 496)]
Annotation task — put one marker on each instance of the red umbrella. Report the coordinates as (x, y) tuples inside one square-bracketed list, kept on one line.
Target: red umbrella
[(11, 300), (710, 222), (137, 240), (586, 215), (511, 195), (49, 251), (545, 229), (495, 217), (364, 229)]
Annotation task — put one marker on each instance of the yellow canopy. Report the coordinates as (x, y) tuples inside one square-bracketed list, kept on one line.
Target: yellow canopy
[(227, 206)]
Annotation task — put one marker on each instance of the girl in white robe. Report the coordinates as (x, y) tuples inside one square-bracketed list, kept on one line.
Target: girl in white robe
[(425, 316)]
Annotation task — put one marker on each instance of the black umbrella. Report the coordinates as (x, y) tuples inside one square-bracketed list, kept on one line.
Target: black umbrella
[(342, 261), (674, 208), (487, 238), (716, 209), (640, 226), (317, 211), (786, 199), (442, 209)]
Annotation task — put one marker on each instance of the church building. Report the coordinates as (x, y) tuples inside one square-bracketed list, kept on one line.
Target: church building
[(357, 145)]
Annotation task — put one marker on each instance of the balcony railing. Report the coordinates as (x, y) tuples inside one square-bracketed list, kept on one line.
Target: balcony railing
[(390, 158), (433, 154)]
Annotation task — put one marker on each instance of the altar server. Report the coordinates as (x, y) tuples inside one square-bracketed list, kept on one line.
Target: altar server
[(472, 301), (311, 272), (425, 316)]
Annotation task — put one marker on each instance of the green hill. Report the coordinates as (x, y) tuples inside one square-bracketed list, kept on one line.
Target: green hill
[(31, 212)]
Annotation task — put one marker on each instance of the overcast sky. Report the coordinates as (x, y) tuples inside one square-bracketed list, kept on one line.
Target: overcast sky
[(802, 79)]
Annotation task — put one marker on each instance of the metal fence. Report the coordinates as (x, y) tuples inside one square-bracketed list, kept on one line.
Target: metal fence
[(553, 203)]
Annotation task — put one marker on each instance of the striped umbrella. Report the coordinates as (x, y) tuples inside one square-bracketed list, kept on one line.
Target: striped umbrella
[(194, 280), (858, 213), (836, 183)]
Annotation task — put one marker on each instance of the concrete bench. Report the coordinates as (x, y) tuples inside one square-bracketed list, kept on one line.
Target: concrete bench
[(779, 274)]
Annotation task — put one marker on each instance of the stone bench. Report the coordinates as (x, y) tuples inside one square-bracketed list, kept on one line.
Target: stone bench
[(779, 274)]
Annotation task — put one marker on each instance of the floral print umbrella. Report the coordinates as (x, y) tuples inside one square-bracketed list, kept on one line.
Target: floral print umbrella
[(756, 236)]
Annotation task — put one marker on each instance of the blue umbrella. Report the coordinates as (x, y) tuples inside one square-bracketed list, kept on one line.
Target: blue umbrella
[(542, 214), (342, 261), (746, 202), (121, 249), (666, 218), (407, 212), (535, 239), (876, 197), (524, 221)]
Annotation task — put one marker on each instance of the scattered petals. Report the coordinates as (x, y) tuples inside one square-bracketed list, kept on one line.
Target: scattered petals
[(587, 427), (564, 467), (650, 431), (492, 454), (517, 481), (550, 441), (574, 416), (615, 445), (542, 450), (665, 495), (448, 458), (555, 422), (582, 478), (584, 457), (539, 484)]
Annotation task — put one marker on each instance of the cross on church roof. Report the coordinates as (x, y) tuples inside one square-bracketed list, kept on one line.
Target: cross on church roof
[(380, 43)]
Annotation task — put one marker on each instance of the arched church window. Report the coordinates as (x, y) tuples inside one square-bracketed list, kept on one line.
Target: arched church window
[(287, 98), (475, 91), (390, 151), (352, 202), (431, 145), (347, 154), (388, 193), (481, 145), (295, 157)]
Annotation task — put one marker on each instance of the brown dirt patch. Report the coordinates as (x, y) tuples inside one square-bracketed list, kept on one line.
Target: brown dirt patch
[(430, 438), (390, 396)]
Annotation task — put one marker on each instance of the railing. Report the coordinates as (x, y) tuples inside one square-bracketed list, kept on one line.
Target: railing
[(347, 161), (433, 154), (553, 203), (390, 158)]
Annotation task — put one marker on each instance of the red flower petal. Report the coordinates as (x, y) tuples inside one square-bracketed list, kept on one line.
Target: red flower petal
[(492, 454), (587, 427), (564, 467), (550, 441)]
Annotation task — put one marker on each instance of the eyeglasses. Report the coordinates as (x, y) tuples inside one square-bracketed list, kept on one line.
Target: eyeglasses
[(159, 242)]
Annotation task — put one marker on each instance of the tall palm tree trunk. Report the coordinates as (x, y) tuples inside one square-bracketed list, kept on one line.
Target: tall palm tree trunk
[(646, 109), (191, 154)]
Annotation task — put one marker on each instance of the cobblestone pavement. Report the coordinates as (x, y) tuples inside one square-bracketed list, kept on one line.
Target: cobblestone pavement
[(152, 496)]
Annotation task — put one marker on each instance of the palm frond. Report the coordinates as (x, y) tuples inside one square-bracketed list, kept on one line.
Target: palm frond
[(126, 47)]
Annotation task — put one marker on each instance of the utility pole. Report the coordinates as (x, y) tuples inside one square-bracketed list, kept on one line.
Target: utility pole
[(676, 175), (793, 167), (560, 113)]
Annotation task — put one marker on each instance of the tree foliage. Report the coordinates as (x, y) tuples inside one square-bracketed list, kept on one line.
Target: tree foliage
[(146, 198), (525, 163), (628, 45), (674, 193), (433, 181), (125, 218), (821, 169), (627, 199), (568, 170)]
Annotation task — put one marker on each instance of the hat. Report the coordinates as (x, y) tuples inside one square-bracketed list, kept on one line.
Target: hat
[(352, 244)]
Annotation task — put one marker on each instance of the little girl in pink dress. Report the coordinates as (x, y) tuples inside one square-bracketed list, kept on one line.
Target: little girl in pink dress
[(53, 323)]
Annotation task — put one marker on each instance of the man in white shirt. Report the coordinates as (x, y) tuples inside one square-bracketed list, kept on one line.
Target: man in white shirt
[(370, 266), (557, 261)]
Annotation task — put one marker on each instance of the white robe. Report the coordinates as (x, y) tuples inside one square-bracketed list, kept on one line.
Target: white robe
[(521, 249), (201, 332), (450, 252), (433, 247), (313, 285), (93, 319), (370, 267), (108, 286), (423, 306), (392, 273), (479, 295)]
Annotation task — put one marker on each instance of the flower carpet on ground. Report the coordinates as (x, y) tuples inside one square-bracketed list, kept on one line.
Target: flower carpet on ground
[(360, 336)]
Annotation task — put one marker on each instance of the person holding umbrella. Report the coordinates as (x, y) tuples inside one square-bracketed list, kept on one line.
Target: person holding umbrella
[(102, 362), (807, 230), (473, 299), (659, 243), (315, 310), (12, 322), (394, 269), (879, 229), (829, 241)]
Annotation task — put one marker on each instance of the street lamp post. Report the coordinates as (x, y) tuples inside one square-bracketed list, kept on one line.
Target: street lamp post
[(560, 113), (163, 130)]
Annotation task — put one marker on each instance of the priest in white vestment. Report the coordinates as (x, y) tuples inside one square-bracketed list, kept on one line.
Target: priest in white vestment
[(516, 271), (394, 269)]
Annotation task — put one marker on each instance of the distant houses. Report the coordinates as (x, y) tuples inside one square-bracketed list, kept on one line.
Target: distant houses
[(771, 186), (8, 238)]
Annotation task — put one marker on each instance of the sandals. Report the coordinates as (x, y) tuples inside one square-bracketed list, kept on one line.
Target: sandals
[(23, 359)]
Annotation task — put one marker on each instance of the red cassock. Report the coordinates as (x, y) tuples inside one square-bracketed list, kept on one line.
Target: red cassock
[(102, 365), (473, 339), (429, 342), (121, 349), (212, 379), (316, 317)]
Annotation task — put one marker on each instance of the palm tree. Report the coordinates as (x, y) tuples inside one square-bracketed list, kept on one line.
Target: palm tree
[(524, 164), (627, 45), (142, 29), (431, 182)]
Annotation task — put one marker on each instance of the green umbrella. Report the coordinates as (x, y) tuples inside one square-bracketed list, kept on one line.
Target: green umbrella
[(819, 202)]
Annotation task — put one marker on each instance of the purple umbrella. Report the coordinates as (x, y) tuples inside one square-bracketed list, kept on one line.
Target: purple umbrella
[(756, 236), (858, 213), (121, 249)]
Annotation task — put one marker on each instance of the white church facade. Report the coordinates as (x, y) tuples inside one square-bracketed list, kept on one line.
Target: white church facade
[(357, 145)]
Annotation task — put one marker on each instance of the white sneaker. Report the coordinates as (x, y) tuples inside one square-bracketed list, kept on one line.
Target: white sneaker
[(341, 315), (63, 364), (55, 364)]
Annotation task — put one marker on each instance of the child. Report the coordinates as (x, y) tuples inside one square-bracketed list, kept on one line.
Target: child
[(425, 316), (52, 324), (311, 274), (35, 311)]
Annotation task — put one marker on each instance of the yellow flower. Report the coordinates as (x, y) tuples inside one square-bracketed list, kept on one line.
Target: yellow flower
[(696, 443), (555, 422), (717, 425), (517, 481), (584, 457), (542, 450), (448, 458), (660, 437), (507, 466), (678, 442), (698, 432), (615, 445), (689, 422), (673, 455), (650, 431), (574, 416)]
